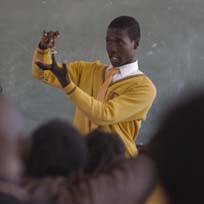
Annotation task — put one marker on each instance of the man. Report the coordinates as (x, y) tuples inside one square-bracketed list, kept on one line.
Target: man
[(112, 98)]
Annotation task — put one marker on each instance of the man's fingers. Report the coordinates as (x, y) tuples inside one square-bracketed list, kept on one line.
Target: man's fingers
[(64, 66), (56, 35), (65, 70), (53, 59), (44, 66), (44, 33)]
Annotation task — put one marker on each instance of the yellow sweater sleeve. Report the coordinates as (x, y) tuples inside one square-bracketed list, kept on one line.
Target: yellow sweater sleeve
[(47, 76), (136, 101)]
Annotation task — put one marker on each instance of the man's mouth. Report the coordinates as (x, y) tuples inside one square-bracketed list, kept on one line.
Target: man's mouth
[(114, 59)]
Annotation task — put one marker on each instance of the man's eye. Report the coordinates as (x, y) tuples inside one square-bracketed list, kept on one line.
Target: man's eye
[(120, 42)]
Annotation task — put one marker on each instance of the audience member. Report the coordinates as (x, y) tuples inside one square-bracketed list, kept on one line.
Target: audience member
[(11, 132), (130, 181), (57, 153), (57, 150), (178, 151), (103, 150)]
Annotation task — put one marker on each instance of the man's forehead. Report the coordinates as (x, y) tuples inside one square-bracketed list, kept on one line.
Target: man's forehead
[(117, 32)]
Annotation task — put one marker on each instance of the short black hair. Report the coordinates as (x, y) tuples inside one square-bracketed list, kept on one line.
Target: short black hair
[(57, 149), (177, 148), (127, 23), (103, 150)]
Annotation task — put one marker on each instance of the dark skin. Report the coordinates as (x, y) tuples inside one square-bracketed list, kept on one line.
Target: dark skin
[(120, 48), (60, 72), (48, 41)]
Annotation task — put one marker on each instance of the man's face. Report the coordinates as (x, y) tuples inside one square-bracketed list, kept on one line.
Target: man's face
[(120, 48)]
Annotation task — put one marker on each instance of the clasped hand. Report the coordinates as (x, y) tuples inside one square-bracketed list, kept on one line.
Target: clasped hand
[(60, 72), (48, 41)]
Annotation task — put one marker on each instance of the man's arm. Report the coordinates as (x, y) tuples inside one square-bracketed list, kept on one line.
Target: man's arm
[(134, 102), (44, 56)]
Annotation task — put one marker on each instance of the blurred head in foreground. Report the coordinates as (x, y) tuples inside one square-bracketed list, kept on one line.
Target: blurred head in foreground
[(178, 151)]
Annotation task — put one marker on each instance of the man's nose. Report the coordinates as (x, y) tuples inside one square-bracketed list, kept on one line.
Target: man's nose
[(111, 48)]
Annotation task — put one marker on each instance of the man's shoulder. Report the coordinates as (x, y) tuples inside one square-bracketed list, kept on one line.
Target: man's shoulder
[(142, 79), (149, 81), (92, 64), (137, 79), (147, 84)]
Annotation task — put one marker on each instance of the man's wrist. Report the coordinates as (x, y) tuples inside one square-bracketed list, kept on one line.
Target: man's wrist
[(64, 82), (70, 88), (42, 46)]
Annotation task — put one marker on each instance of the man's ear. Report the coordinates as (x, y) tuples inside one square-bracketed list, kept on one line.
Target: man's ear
[(136, 44)]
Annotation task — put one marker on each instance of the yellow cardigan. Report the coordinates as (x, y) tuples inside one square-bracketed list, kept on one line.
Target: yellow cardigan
[(126, 104)]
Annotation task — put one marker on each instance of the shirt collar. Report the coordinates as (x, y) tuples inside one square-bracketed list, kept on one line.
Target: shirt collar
[(128, 69)]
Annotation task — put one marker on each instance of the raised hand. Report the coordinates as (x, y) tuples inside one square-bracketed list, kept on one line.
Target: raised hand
[(48, 39), (61, 73)]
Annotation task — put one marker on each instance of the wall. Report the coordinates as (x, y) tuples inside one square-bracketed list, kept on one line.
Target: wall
[(171, 51)]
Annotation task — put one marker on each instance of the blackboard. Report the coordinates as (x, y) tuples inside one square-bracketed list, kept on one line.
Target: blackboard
[(171, 51)]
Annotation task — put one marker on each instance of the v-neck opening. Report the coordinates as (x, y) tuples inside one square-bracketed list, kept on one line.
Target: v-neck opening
[(126, 78)]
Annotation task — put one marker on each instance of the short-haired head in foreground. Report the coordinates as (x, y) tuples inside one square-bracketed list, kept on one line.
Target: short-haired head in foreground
[(57, 149), (178, 151), (103, 150)]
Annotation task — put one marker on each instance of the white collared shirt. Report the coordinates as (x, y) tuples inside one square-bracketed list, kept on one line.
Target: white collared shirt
[(126, 71)]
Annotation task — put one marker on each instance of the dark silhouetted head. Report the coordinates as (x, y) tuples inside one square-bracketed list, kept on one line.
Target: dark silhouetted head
[(57, 150), (178, 151), (103, 150), (122, 40)]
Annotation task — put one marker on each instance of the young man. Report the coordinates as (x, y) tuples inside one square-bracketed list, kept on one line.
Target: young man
[(112, 98)]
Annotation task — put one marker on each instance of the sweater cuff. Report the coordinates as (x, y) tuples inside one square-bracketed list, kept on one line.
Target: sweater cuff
[(70, 88), (40, 51)]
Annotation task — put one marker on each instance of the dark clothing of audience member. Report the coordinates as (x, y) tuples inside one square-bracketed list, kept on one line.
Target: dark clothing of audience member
[(7, 199), (103, 150), (178, 151)]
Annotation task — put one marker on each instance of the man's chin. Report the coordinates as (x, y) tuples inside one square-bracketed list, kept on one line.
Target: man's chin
[(116, 64)]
